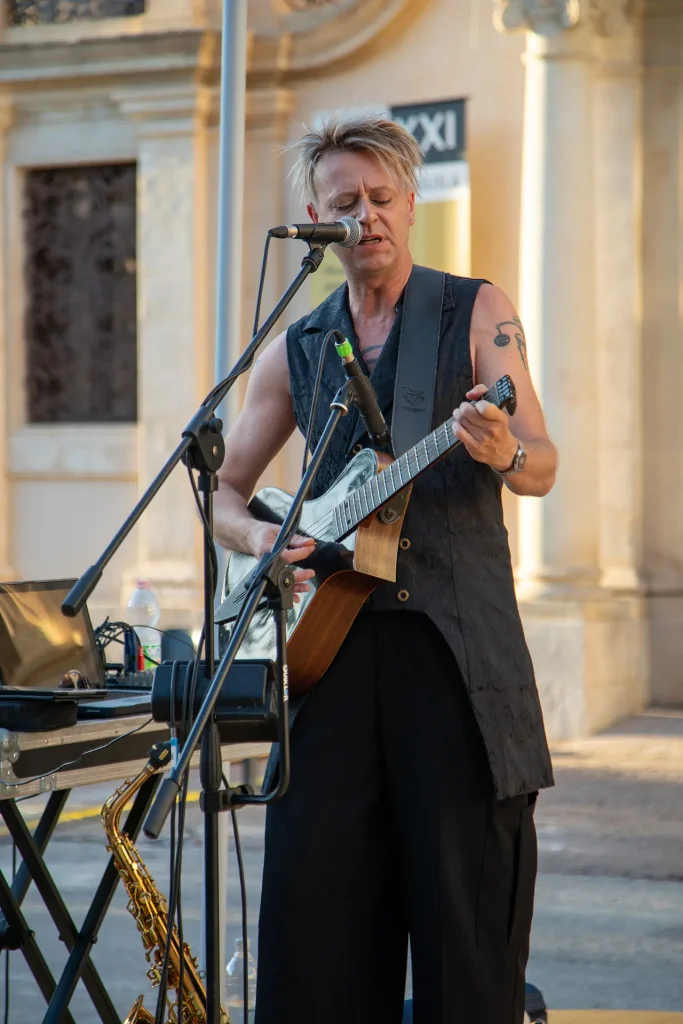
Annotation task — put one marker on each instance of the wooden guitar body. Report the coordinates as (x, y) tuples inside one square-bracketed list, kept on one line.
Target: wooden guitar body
[(346, 573)]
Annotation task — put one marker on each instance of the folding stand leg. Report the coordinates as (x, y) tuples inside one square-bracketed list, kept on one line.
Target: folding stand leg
[(28, 945), (55, 906), (16, 932), (79, 964), (80, 953), (41, 837)]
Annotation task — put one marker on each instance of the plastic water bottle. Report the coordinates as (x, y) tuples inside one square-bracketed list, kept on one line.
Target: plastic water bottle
[(143, 615), (235, 984)]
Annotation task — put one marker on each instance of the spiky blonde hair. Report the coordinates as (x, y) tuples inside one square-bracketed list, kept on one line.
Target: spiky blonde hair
[(393, 145)]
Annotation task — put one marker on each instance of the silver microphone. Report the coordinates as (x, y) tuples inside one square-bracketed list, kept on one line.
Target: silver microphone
[(346, 232)]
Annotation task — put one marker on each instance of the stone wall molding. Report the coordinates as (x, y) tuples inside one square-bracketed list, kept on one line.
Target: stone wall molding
[(317, 37), (168, 110), (302, 44), (268, 109)]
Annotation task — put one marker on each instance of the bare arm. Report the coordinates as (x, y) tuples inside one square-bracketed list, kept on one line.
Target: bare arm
[(498, 347), (263, 426)]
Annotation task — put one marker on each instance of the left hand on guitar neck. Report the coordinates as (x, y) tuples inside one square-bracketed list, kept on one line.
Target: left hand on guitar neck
[(485, 431)]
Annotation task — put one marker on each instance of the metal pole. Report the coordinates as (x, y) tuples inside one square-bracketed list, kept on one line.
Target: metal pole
[(231, 186), (229, 279)]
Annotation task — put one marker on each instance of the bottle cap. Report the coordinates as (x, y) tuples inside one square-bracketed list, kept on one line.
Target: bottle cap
[(143, 584)]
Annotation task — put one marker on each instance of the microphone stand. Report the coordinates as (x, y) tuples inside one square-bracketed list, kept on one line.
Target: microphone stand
[(202, 447)]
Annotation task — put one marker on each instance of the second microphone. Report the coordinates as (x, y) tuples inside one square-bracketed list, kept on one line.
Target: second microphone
[(363, 395)]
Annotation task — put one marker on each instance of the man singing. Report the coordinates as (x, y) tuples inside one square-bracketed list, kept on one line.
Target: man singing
[(417, 757)]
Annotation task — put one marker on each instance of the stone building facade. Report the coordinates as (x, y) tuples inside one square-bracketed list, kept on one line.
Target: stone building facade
[(575, 148)]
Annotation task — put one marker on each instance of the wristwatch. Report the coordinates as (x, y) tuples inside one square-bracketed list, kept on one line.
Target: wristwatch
[(517, 464)]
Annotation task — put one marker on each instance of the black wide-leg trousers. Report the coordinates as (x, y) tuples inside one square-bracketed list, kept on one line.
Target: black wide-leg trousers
[(390, 832)]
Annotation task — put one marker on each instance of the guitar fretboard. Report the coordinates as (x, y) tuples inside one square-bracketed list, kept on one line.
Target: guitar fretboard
[(361, 503), (372, 495)]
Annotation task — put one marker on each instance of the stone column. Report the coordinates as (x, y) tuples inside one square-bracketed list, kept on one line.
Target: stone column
[(171, 358), (6, 571), (618, 160), (559, 536), (662, 325), (579, 542)]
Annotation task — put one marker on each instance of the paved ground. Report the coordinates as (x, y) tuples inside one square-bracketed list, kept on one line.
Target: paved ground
[(608, 928)]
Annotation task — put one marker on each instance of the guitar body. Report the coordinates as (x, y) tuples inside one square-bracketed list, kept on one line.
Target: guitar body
[(357, 526), (346, 573)]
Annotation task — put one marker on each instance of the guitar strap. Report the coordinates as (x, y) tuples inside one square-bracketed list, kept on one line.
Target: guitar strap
[(418, 353)]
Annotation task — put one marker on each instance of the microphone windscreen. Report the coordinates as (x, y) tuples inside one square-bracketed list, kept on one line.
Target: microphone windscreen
[(355, 232)]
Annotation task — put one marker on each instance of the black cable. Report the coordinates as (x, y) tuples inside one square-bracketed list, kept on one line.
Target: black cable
[(243, 893), (316, 395), (309, 433), (179, 900), (114, 638), (262, 278), (207, 530), (86, 753), (229, 381), (188, 719), (114, 630), (176, 854), (189, 692), (7, 951)]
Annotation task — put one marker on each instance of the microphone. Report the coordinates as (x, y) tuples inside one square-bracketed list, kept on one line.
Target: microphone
[(346, 232), (364, 396)]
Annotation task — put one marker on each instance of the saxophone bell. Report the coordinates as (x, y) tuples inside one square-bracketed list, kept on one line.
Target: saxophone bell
[(139, 1014)]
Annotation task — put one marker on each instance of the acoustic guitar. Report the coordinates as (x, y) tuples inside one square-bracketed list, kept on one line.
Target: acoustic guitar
[(356, 524)]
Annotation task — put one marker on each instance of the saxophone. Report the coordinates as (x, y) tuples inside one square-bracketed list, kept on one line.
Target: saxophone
[(150, 910)]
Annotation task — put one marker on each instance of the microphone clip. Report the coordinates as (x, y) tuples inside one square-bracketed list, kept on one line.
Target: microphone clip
[(362, 394)]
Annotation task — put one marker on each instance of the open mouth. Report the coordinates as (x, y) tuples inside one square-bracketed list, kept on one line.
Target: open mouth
[(371, 240)]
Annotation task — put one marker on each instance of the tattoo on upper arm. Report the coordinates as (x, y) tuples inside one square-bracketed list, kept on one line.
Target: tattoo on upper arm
[(502, 339)]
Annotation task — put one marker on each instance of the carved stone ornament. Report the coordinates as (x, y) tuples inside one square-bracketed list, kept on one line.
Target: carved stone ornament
[(317, 35), (543, 17), (612, 17)]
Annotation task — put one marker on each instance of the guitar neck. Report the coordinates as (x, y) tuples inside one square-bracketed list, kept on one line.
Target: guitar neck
[(371, 496)]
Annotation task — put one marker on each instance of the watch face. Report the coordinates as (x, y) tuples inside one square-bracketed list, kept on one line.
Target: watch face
[(520, 460)]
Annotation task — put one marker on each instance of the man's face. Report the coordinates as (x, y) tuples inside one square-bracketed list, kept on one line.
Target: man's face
[(356, 184)]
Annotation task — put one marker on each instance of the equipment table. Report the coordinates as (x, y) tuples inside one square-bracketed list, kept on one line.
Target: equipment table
[(25, 755)]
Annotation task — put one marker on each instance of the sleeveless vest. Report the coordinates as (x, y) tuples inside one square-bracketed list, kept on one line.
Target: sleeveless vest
[(456, 568)]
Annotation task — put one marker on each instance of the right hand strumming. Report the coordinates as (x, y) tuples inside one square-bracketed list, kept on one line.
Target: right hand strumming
[(262, 537)]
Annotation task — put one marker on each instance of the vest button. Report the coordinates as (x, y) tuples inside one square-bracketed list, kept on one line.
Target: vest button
[(403, 595), (357, 448), (404, 543)]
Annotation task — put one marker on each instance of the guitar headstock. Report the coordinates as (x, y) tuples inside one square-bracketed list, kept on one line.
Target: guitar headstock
[(503, 395)]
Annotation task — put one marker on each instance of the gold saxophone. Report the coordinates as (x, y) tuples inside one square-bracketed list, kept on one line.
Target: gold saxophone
[(150, 910)]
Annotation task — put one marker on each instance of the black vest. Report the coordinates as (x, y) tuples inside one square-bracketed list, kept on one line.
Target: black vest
[(457, 567)]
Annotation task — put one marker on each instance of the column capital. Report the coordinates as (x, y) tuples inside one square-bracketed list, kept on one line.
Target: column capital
[(612, 17), (542, 17), (551, 17)]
